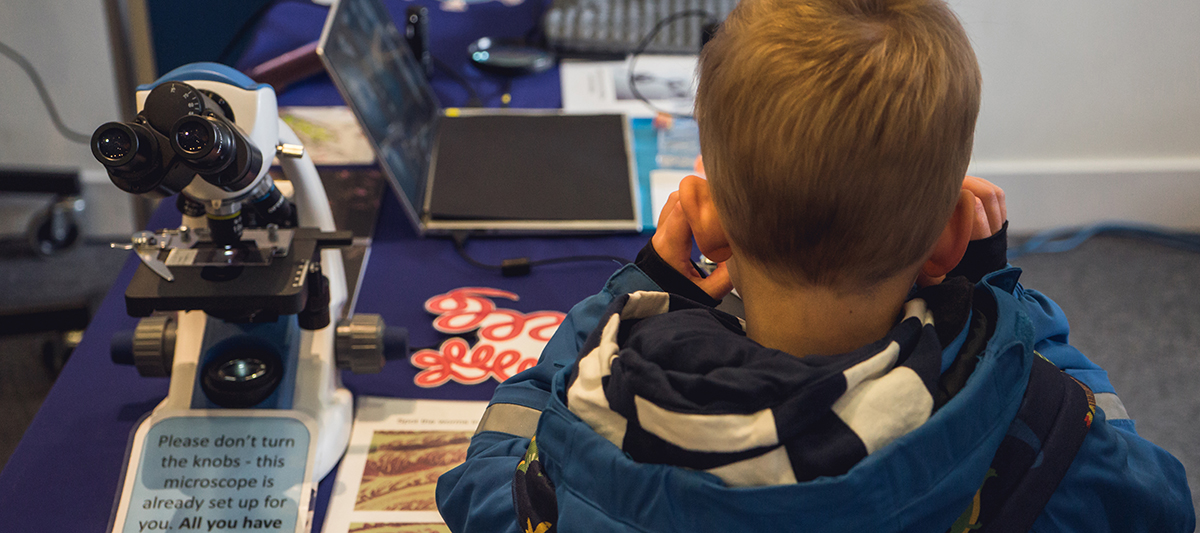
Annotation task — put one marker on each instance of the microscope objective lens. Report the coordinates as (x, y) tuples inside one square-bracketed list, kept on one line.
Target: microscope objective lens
[(114, 144)]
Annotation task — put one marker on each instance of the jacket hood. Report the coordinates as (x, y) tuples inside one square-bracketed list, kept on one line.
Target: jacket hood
[(673, 420)]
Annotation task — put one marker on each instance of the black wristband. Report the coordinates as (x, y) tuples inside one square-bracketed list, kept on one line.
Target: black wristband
[(983, 256), (668, 278)]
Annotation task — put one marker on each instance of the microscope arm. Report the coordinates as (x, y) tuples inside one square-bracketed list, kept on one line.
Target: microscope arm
[(312, 205), (310, 198), (315, 372)]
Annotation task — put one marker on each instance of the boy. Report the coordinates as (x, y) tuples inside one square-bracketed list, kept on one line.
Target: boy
[(885, 377)]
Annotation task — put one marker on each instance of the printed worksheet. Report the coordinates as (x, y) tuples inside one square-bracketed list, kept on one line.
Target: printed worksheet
[(398, 448)]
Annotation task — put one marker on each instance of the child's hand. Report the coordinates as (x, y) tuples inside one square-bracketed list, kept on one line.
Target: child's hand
[(673, 242), (990, 210)]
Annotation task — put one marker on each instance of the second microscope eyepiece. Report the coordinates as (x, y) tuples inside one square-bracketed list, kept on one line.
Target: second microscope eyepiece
[(204, 143), (193, 137), (216, 150)]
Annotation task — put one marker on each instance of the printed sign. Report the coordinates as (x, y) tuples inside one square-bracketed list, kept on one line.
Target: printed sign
[(508, 341), (217, 473)]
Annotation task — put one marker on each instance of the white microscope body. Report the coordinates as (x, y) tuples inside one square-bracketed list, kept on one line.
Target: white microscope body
[(238, 300)]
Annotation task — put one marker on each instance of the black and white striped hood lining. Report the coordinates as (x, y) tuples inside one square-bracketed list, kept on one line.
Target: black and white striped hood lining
[(673, 382)]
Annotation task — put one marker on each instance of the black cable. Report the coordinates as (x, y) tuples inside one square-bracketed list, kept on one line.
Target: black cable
[(641, 47), (62, 128), (473, 99), (521, 266), (579, 258)]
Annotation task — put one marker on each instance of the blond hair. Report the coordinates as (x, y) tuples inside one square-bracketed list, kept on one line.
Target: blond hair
[(836, 134)]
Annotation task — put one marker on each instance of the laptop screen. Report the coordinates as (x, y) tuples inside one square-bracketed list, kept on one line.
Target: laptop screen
[(386, 88)]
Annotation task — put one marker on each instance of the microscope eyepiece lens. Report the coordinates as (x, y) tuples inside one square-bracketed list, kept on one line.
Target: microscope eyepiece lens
[(207, 144), (193, 137), (130, 152), (218, 151), (114, 144)]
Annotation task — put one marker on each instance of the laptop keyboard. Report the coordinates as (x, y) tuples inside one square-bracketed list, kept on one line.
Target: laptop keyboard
[(614, 28)]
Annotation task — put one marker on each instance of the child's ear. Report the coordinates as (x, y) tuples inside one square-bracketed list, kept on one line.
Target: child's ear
[(952, 244), (696, 201)]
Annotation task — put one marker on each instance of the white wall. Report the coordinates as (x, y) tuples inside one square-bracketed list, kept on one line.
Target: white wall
[(67, 41), (1091, 109)]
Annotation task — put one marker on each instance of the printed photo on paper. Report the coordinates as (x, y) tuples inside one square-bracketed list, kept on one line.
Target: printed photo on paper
[(403, 466), (398, 448)]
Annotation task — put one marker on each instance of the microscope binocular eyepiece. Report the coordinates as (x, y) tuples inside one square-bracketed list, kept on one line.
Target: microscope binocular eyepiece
[(181, 132)]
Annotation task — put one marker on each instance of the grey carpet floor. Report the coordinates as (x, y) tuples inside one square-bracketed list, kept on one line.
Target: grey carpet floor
[(24, 383), (76, 277), (1134, 308)]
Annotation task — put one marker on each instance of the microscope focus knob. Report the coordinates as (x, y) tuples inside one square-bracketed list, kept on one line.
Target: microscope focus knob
[(154, 345), (363, 342)]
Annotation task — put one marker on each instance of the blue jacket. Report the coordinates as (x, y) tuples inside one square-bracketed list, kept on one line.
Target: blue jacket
[(920, 482)]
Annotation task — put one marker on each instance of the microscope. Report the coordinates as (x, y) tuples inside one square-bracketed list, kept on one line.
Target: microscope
[(239, 306)]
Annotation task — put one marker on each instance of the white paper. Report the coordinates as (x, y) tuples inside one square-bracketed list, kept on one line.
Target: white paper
[(669, 82), (331, 135), (663, 182), (397, 450)]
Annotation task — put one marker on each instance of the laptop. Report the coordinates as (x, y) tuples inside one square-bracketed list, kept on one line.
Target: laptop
[(479, 170)]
